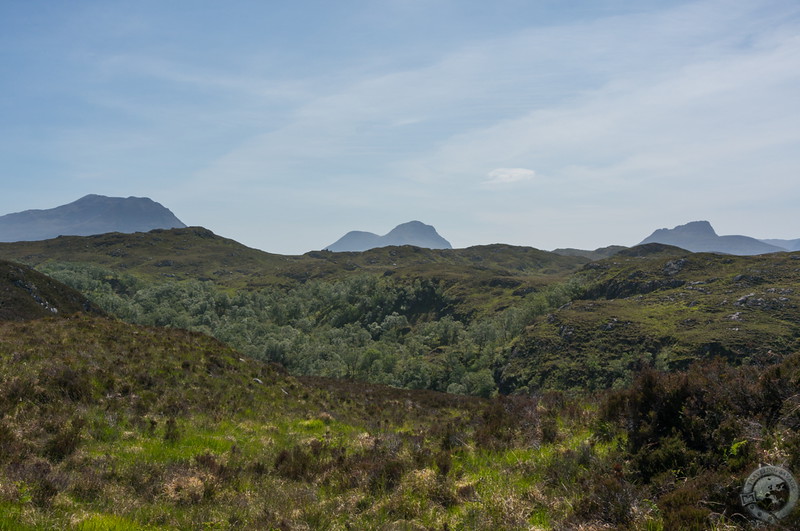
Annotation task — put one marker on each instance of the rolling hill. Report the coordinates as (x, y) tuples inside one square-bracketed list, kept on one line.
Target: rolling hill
[(656, 305), (107, 425), (482, 277)]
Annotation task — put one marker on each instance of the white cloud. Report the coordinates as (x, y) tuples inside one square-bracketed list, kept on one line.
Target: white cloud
[(502, 176)]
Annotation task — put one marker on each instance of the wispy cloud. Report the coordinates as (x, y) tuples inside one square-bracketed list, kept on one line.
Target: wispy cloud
[(702, 105), (503, 176)]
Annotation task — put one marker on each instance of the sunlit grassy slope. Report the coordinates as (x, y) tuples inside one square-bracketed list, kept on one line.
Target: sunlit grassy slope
[(105, 425), (663, 307)]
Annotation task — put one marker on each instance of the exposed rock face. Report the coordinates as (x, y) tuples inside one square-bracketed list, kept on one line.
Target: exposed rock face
[(699, 236), (92, 214), (411, 233)]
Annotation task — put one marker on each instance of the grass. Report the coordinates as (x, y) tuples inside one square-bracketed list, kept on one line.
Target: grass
[(120, 450), (639, 310)]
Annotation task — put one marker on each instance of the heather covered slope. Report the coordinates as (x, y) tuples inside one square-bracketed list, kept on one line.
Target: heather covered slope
[(659, 306), (28, 294), (105, 425), (108, 425)]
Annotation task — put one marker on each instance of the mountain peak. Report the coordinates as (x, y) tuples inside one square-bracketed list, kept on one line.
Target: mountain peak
[(411, 233), (89, 215), (699, 236), (703, 228)]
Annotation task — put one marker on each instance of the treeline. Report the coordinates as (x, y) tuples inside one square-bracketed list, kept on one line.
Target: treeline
[(400, 332)]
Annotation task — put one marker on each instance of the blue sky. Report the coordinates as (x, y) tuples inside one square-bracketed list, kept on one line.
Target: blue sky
[(284, 125)]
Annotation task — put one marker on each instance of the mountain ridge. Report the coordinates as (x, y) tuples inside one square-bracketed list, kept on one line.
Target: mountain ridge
[(91, 214), (413, 233), (700, 236)]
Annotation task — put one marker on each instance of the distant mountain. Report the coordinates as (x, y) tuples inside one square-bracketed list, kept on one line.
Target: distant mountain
[(789, 245), (411, 233), (92, 214), (699, 236)]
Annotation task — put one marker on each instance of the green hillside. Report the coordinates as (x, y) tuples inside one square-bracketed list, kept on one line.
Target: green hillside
[(663, 307), (110, 425), (477, 279), (403, 316), (478, 321), (106, 425)]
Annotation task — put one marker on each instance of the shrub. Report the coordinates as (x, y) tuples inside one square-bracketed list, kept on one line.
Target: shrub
[(65, 440)]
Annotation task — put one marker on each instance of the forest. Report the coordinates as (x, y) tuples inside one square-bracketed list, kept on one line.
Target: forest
[(378, 329)]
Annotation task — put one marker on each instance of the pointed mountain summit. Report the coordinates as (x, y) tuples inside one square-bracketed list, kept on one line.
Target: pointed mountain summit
[(699, 236), (89, 215), (412, 233)]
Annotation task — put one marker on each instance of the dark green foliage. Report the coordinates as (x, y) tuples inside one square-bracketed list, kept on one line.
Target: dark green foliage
[(171, 433), (706, 424), (382, 329)]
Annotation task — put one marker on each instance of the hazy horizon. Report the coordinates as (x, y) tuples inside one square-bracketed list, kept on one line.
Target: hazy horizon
[(286, 126)]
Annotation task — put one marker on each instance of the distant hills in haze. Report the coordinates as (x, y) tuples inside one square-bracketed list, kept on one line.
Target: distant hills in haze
[(89, 215), (98, 214), (789, 245), (699, 236), (412, 233)]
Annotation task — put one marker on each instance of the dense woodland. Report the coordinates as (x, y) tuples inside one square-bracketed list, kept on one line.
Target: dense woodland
[(371, 328)]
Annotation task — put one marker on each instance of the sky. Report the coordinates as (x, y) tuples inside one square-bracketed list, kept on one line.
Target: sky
[(286, 124)]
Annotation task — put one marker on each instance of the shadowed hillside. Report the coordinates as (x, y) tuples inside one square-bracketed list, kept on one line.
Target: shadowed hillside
[(28, 294)]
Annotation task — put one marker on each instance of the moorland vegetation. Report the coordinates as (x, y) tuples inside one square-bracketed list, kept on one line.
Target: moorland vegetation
[(634, 392)]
